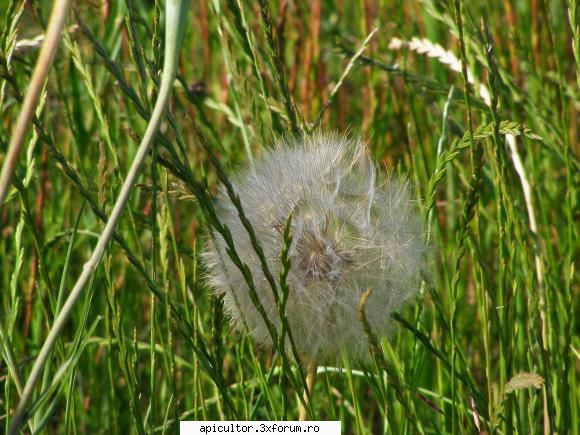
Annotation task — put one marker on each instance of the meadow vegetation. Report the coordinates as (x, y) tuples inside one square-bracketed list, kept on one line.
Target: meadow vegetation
[(475, 103)]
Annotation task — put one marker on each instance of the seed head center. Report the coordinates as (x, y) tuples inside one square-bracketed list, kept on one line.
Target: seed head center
[(317, 257)]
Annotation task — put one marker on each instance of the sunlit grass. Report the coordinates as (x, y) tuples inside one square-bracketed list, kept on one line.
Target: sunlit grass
[(492, 342)]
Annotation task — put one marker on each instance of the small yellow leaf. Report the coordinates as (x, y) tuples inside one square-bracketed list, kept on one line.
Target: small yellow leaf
[(524, 380)]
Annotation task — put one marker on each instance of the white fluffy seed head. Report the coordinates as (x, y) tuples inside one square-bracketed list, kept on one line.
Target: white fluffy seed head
[(349, 233)]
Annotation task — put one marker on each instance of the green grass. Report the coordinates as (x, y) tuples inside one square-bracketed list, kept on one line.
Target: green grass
[(148, 344)]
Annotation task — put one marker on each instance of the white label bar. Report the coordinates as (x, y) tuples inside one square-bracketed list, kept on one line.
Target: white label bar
[(260, 427)]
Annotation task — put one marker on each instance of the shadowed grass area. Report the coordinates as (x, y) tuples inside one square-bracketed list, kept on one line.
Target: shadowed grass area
[(475, 102)]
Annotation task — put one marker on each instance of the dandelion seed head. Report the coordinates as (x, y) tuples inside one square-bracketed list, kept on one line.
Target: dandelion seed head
[(350, 232)]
